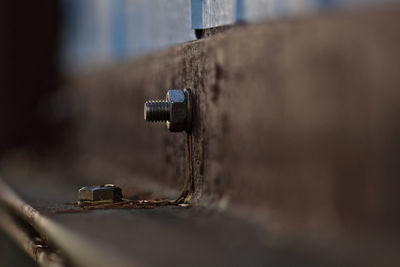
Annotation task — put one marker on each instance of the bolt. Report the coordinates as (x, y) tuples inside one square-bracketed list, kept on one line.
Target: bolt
[(103, 193), (157, 110), (175, 110)]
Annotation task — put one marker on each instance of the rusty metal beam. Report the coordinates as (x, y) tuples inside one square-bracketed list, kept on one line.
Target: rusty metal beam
[(294, 122)]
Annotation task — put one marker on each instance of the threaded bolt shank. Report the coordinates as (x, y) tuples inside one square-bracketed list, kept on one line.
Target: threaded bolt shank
[(157, 110)]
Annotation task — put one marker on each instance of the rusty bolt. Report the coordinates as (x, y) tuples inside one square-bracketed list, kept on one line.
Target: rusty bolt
[(104, 193), (176, 110)]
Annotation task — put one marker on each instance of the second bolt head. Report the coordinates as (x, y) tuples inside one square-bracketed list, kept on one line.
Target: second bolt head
[(100, 193)]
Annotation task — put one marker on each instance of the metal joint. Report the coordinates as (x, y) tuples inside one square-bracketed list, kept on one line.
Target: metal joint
[(176, 110)]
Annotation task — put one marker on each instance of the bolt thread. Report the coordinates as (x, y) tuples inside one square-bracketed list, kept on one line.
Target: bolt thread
[(157, 110)]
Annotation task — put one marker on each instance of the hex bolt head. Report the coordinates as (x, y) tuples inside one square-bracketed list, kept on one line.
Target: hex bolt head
[(176, 110), (103, 193)]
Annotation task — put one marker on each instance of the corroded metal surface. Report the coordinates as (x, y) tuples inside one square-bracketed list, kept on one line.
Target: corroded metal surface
[(178, 236), (294, 122)]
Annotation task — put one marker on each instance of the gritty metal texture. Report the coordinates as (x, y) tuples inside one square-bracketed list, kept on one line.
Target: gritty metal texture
[(106, 193), (175, 110), (294, 122), (164, 236)]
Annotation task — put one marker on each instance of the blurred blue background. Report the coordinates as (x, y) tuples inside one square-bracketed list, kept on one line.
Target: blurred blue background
[(98, 32)]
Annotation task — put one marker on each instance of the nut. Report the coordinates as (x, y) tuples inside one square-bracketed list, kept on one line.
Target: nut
[(103, 193), (178, 110)]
